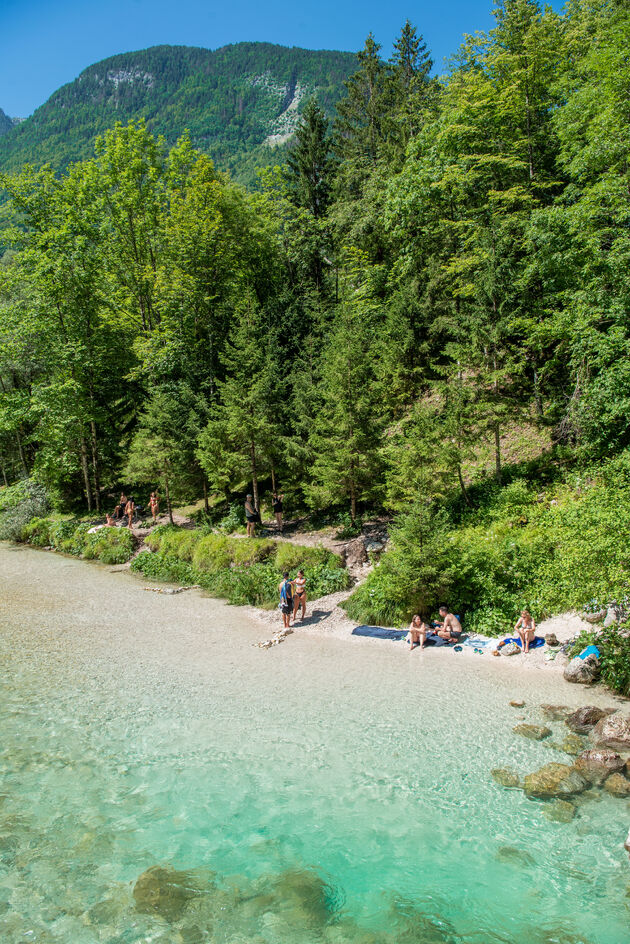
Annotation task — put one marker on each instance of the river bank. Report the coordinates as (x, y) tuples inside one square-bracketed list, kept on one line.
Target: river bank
[(145, 729)]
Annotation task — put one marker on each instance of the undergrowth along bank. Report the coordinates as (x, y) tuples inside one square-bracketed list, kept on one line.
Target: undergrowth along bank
[(547, 546), (240, 570)]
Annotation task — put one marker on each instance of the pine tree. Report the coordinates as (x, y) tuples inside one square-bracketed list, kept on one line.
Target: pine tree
[(309, 164)]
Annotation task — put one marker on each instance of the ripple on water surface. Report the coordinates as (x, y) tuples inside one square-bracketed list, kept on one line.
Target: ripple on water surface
[(325, 792)]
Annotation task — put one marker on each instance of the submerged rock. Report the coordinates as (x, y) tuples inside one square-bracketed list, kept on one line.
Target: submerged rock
[(617, 785), (535, 732), (613, 731), (572, 744), (166, 892), (596, 765), (559, 811), (515, 856), (555, 712), (506, 777), (554, 780), (583, 671), (583, 719)]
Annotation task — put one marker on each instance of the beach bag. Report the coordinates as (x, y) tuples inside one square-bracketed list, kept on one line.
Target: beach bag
[(510, 649)]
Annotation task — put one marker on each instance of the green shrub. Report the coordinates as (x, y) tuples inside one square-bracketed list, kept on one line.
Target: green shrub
[(21, 503), (234, 520), (212, 553), (37, 532), (244, 551), (290, 556), (157, 567), (108, 545), (62, 531), (614, 647)]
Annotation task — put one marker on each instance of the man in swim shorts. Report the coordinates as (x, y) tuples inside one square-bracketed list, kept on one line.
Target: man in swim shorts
[(450, 629)]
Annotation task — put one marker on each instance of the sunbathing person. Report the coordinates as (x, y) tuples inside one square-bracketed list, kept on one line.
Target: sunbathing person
[(526, 629), (450, 629), (418, 631)]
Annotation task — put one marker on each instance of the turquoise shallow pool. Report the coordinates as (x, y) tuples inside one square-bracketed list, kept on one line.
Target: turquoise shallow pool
[(324, 791)]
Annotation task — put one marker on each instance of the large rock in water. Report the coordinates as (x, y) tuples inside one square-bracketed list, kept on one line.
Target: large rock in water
[(596, 765), (559, 811), (555, 712), (582, 720), (506, 777), (165, 891), (584, 671), (554, 780), (613, 731)]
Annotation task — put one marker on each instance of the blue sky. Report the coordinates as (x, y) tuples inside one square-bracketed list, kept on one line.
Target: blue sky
[(46, 43)]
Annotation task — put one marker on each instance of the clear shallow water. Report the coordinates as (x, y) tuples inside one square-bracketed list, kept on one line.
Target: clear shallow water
[(339, 792)]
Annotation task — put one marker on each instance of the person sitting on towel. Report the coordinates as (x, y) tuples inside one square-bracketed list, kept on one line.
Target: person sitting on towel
[(450, 629), (418, 631), (526, 629)]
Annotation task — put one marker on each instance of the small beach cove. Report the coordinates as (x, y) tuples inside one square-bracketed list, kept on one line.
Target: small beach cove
[(145, 729)]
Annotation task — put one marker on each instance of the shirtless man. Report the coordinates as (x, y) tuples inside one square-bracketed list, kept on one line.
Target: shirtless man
[(450, 628)]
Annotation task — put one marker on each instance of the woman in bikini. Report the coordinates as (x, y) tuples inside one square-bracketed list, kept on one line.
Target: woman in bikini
[(154, 503), (299, 600), (417, 632), (526, 629), (276, 507), (129, 510)]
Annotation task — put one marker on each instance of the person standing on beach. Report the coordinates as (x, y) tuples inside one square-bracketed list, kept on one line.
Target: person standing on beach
[(119, 510), (286, 599), (251, 516), (129, 510), (276, 506), (300, 595)]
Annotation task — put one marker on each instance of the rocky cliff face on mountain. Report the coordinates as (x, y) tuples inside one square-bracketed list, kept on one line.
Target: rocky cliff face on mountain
[(239, 103)]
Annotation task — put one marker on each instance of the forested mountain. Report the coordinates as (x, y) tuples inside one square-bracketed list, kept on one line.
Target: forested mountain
[(435, 279), (239, 103), (5, 123)]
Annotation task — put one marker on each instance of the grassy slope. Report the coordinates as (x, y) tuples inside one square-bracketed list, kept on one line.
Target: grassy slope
[(548, 540)]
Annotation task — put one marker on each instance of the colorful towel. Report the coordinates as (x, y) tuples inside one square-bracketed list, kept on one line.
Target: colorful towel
[(534, 644)]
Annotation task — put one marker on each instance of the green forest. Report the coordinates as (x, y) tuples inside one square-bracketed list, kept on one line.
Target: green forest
[(422, 314)]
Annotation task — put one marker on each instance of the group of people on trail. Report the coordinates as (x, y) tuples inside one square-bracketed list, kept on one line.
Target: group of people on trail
[(292, 597), (126, 508), (252, 513), (449, 630)]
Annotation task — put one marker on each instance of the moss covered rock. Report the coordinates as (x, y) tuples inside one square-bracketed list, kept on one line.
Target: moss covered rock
[(554, 780)]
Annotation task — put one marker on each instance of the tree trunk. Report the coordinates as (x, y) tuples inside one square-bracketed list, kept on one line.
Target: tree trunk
[(206, 504), (95, 468), (273, 478), (86, 472), (462, 485), (167, 492), (353, 502), (4, 476), (21, 451), (497, 453), (537, 396), (252, 450)]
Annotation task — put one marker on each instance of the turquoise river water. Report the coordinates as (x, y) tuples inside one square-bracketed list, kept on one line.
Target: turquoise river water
[(327, 791)]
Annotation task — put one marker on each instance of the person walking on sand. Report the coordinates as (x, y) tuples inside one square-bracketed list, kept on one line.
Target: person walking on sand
[(286, 599), (418, 631), (526, 629), (154, 503), (129, 510), (251, 516), (450, 628), (300, 595), (276, 506)]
